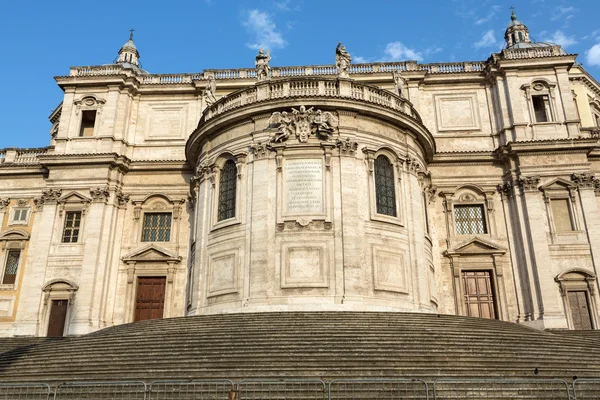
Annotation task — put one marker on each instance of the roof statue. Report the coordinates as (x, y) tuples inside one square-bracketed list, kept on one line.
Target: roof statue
[(342, 60), (263, 70), (399, 83), (210, 91)]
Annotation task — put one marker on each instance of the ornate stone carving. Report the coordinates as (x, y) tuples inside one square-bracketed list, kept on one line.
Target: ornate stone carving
[(4, 203), (431, 191), (263, 70), (302, 123), (260, 149), (347, 147), (399, 83), (342, 60), (466, 198), (305, 224), (90, 103), (121, 198), (529, 183), (413, 165), (99, 194), (506, 190), (210, 91), (584, 181), (49, 196), (22, 202)]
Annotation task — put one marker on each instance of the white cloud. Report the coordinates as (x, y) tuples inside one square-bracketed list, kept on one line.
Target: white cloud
[(396, 51), (560, 38), (432, 50), (264, 30), (360, 60), (286, 5), (562, 12), (489, 16), (487, 40), (592, 56)]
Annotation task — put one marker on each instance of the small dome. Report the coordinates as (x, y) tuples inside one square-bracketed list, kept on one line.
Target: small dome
[(129, 45)]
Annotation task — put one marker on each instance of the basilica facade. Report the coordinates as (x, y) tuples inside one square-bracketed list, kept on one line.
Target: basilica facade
[(465, 188)]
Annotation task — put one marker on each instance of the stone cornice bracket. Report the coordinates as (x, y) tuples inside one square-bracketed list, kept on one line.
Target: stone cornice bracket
[(529, 183), (200, 174), (347, 147), (49, 196), (369, 158), (99, 194), (413, 165), (431, 191), (4, 203), (260, 150), (506, 190), (121, 198), (584, 181)]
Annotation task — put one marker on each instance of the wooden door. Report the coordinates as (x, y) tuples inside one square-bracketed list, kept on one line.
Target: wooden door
[(58, 315), (580, 310), (479, 294), (150, 299)]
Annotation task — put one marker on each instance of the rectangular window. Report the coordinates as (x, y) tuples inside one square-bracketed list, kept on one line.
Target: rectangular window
[(88, 120), (561, 213), (540, 107), (12, 264), (157, 227), (20, 216), (72, 225), (469, 220)]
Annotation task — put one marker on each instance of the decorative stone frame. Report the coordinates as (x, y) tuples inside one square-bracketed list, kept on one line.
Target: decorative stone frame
[(85, 103), (72, 201), (157, 203), (56, 289), (595, 110), (21, 205), (398, 168), (479, 255), (469, 195), (578, 279), (12, 239), (541, 87), (215, 178), (562, 189), (150, 260)]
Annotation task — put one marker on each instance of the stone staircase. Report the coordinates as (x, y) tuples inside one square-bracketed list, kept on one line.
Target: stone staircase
[(322, 345)]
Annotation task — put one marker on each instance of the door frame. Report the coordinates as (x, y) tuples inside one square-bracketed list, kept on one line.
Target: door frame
[(56, 289)]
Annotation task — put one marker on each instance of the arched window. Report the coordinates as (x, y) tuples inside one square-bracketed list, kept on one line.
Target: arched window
[(227, 191), (520, 36), (385, 192)]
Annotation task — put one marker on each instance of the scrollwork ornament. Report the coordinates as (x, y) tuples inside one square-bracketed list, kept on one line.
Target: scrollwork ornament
[(529, 183), (347, 147), (4, 203), (583, 181), (99, 194)]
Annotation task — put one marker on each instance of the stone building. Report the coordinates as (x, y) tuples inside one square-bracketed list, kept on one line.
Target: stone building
[(459, 188)]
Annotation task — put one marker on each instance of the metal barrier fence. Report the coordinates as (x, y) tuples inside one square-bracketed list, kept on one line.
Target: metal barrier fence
[(305, 389), (25, 391), (388, 389), (498, 389), (120, 390), (209, 389), (586, 389), (288, 389)]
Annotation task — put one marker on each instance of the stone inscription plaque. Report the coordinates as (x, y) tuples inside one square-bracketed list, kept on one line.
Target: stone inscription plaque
[(303, 184)]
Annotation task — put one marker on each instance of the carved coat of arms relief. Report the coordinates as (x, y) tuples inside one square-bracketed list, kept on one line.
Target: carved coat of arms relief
[(302, 123)]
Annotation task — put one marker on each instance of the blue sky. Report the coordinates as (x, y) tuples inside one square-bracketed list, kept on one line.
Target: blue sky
[(41, 39)]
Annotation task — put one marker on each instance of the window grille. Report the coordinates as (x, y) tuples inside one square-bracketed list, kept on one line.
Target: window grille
[(157, 227), (12, 264), (72, 225), (385, 191), (227, 191), (469, 220)]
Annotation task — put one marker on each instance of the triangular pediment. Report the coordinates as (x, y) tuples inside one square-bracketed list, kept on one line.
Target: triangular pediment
[(74, 197), (557, 184), (151, 253), (477, 246)]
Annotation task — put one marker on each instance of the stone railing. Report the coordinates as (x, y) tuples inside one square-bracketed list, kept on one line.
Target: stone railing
[(22, 156), (310, 87), (250, 73), (531, 52), (592, 131)]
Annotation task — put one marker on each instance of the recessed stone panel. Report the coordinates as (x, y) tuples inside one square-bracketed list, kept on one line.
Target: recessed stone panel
[(389, 270), (6, 306), (303, 187), (223, 273), (304, 266), (166, 121), (457, 112)]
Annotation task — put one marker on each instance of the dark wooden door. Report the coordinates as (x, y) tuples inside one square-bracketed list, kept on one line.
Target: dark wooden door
[(58, 315), (580, 310), (479, 294), (150, 300)]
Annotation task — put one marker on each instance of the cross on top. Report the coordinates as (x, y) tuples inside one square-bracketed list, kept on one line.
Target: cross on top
[(131, 33)]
